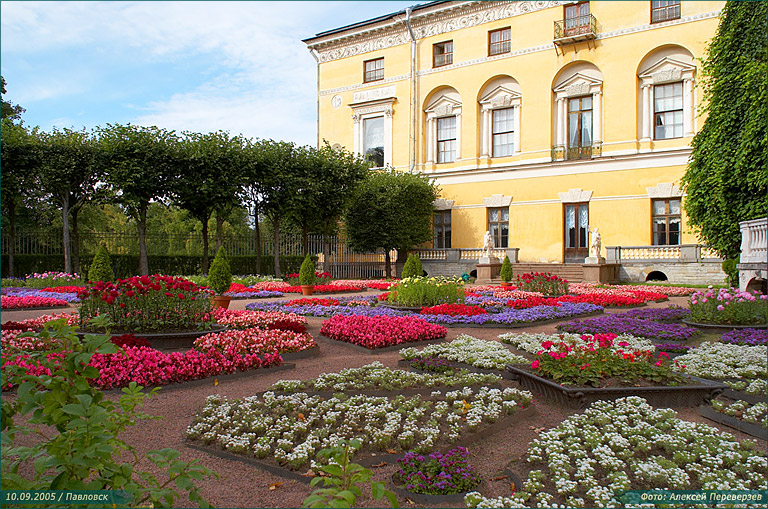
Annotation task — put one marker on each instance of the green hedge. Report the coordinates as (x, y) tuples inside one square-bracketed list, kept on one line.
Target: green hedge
[(128, 265)]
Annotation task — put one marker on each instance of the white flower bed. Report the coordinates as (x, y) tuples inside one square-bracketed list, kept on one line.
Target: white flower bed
[(747, 412), (293, 428), (531, 343), (755, 387), (626, 444), (378, 376), (720, 360), (468, 350)]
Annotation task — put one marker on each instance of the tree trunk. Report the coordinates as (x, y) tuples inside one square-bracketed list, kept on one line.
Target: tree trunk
[(65, 234), (219, 230), (141, 226), (258, 239), (276, 228), (75, 241), (387, 263), (305, 237), (205, 245), (12, 240)]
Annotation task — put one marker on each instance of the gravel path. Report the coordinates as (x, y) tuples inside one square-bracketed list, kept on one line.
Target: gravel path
[(243, 485)]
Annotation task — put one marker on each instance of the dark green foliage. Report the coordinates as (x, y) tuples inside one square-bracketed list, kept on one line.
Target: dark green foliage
[(101, 267), (8, 109), (77, 430), (307, 272), (220, 275), (412, 267), (729, 267), (506, 270), (726, 179)]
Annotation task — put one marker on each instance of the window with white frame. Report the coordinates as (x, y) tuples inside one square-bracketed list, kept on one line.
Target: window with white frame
[(373, 139), (443, 129), (446, 139), (578, 113), (668, 111), (372, 112), (500, 118), (503, 132)]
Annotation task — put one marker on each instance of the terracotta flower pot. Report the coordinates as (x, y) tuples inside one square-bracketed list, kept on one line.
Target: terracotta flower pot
[(506, 284), (307, 289), (221, 301)]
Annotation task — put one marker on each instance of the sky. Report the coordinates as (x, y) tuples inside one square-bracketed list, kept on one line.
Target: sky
[(186, 66)]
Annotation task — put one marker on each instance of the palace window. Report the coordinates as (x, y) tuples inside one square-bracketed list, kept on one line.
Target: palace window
[(503, 132), (666, 222), (664, 10), (498, 225), (580, 127), (668, 111), (442, 54), (577, 19), (499, 41), (442, 229), (576, 222), (373, 70), (373, 138), (446, 139)]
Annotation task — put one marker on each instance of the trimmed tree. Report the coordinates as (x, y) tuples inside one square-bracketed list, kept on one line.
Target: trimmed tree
[(506, 270), (307, 272), (390, 210), (220, 275), (101, 267), (412, 267), (725, 181)]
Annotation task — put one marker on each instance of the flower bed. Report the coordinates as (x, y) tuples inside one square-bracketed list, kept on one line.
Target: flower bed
[(718, 361), (742, 410), (30, 302), (676, 348), (454, 310), (510, 316), (293, 428), (376, 376), (545, 283), (750, 337), (240, 291), (380, 331), (728, 306), (246, 319), (323, 289), (646, 292), (437, 474), (668, 314), (620, 324), (256, 341), (63, 289), (424, 291), (147, 304), (535, 343), (468, 350), (628, 445), (67, 297), (51, 278), (38, 322), (311, 302)]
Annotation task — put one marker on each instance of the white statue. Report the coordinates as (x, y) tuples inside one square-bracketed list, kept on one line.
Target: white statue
[(487, 244), (597, 243)]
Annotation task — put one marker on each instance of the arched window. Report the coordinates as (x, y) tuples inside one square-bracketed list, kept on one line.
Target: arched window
[(666, 94), (500, 117), (578, 91), (443, 126)]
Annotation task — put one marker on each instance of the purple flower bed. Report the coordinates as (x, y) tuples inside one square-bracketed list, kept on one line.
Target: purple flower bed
[(620, 324), (437, 474), (29, 292), (751, 337), (670, 314), (261, 294), (11, 289), (672, 347)]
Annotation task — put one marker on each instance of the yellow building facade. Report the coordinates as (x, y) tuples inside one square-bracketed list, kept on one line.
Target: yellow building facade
[(540, 121)]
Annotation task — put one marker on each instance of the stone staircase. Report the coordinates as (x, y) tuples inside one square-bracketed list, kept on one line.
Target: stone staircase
[(571, 272)]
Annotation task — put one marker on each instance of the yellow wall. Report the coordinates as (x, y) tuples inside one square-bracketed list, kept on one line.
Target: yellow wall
[(536, 228)]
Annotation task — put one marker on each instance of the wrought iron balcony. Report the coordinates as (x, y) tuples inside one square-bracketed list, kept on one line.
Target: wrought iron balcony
[(579, 28)]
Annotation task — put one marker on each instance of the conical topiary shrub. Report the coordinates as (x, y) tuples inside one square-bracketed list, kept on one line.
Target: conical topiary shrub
[(307, 272), (506, 270), (220, 275), (101, 267), (412, 267)]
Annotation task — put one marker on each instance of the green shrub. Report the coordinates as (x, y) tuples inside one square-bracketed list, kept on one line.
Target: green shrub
[(220, 275), (427, 291), (506, 270), (8, 282), (412, 267), (101, 268), (729, 267), (307, 272)]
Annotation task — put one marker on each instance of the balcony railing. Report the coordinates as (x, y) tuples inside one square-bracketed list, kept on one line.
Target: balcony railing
[(579, 152), (674, 253), (579, 28), (753, 241)]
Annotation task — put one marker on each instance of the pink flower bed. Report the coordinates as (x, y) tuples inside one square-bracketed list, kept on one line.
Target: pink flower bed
[(258, 341), (376, 284), (244, 319), (332, 288), (37, 323), (380, 331), (646, 293), (454, 310), (270, 286), (148, 367), (502, 293), (11, 342), (29, 302)]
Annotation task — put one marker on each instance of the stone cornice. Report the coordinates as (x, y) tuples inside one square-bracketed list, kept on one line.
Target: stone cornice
[(440, 19)]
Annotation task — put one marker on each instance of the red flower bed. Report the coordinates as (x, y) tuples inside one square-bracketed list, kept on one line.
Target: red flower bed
[(63, 289), (323, 289), (244, 319), (312, 302), (28, 302), (454, 310), (17, 326), (598, 299), (531, 302), (380, 331), (129, 340)]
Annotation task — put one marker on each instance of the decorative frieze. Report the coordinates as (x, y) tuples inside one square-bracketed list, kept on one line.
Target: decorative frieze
[(497, 200), (442, 204), (664, 190), (575, 196)]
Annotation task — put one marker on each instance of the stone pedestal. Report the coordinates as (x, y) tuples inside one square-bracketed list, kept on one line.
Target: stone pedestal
[(594, 260), (488, 269), (600, 272)]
